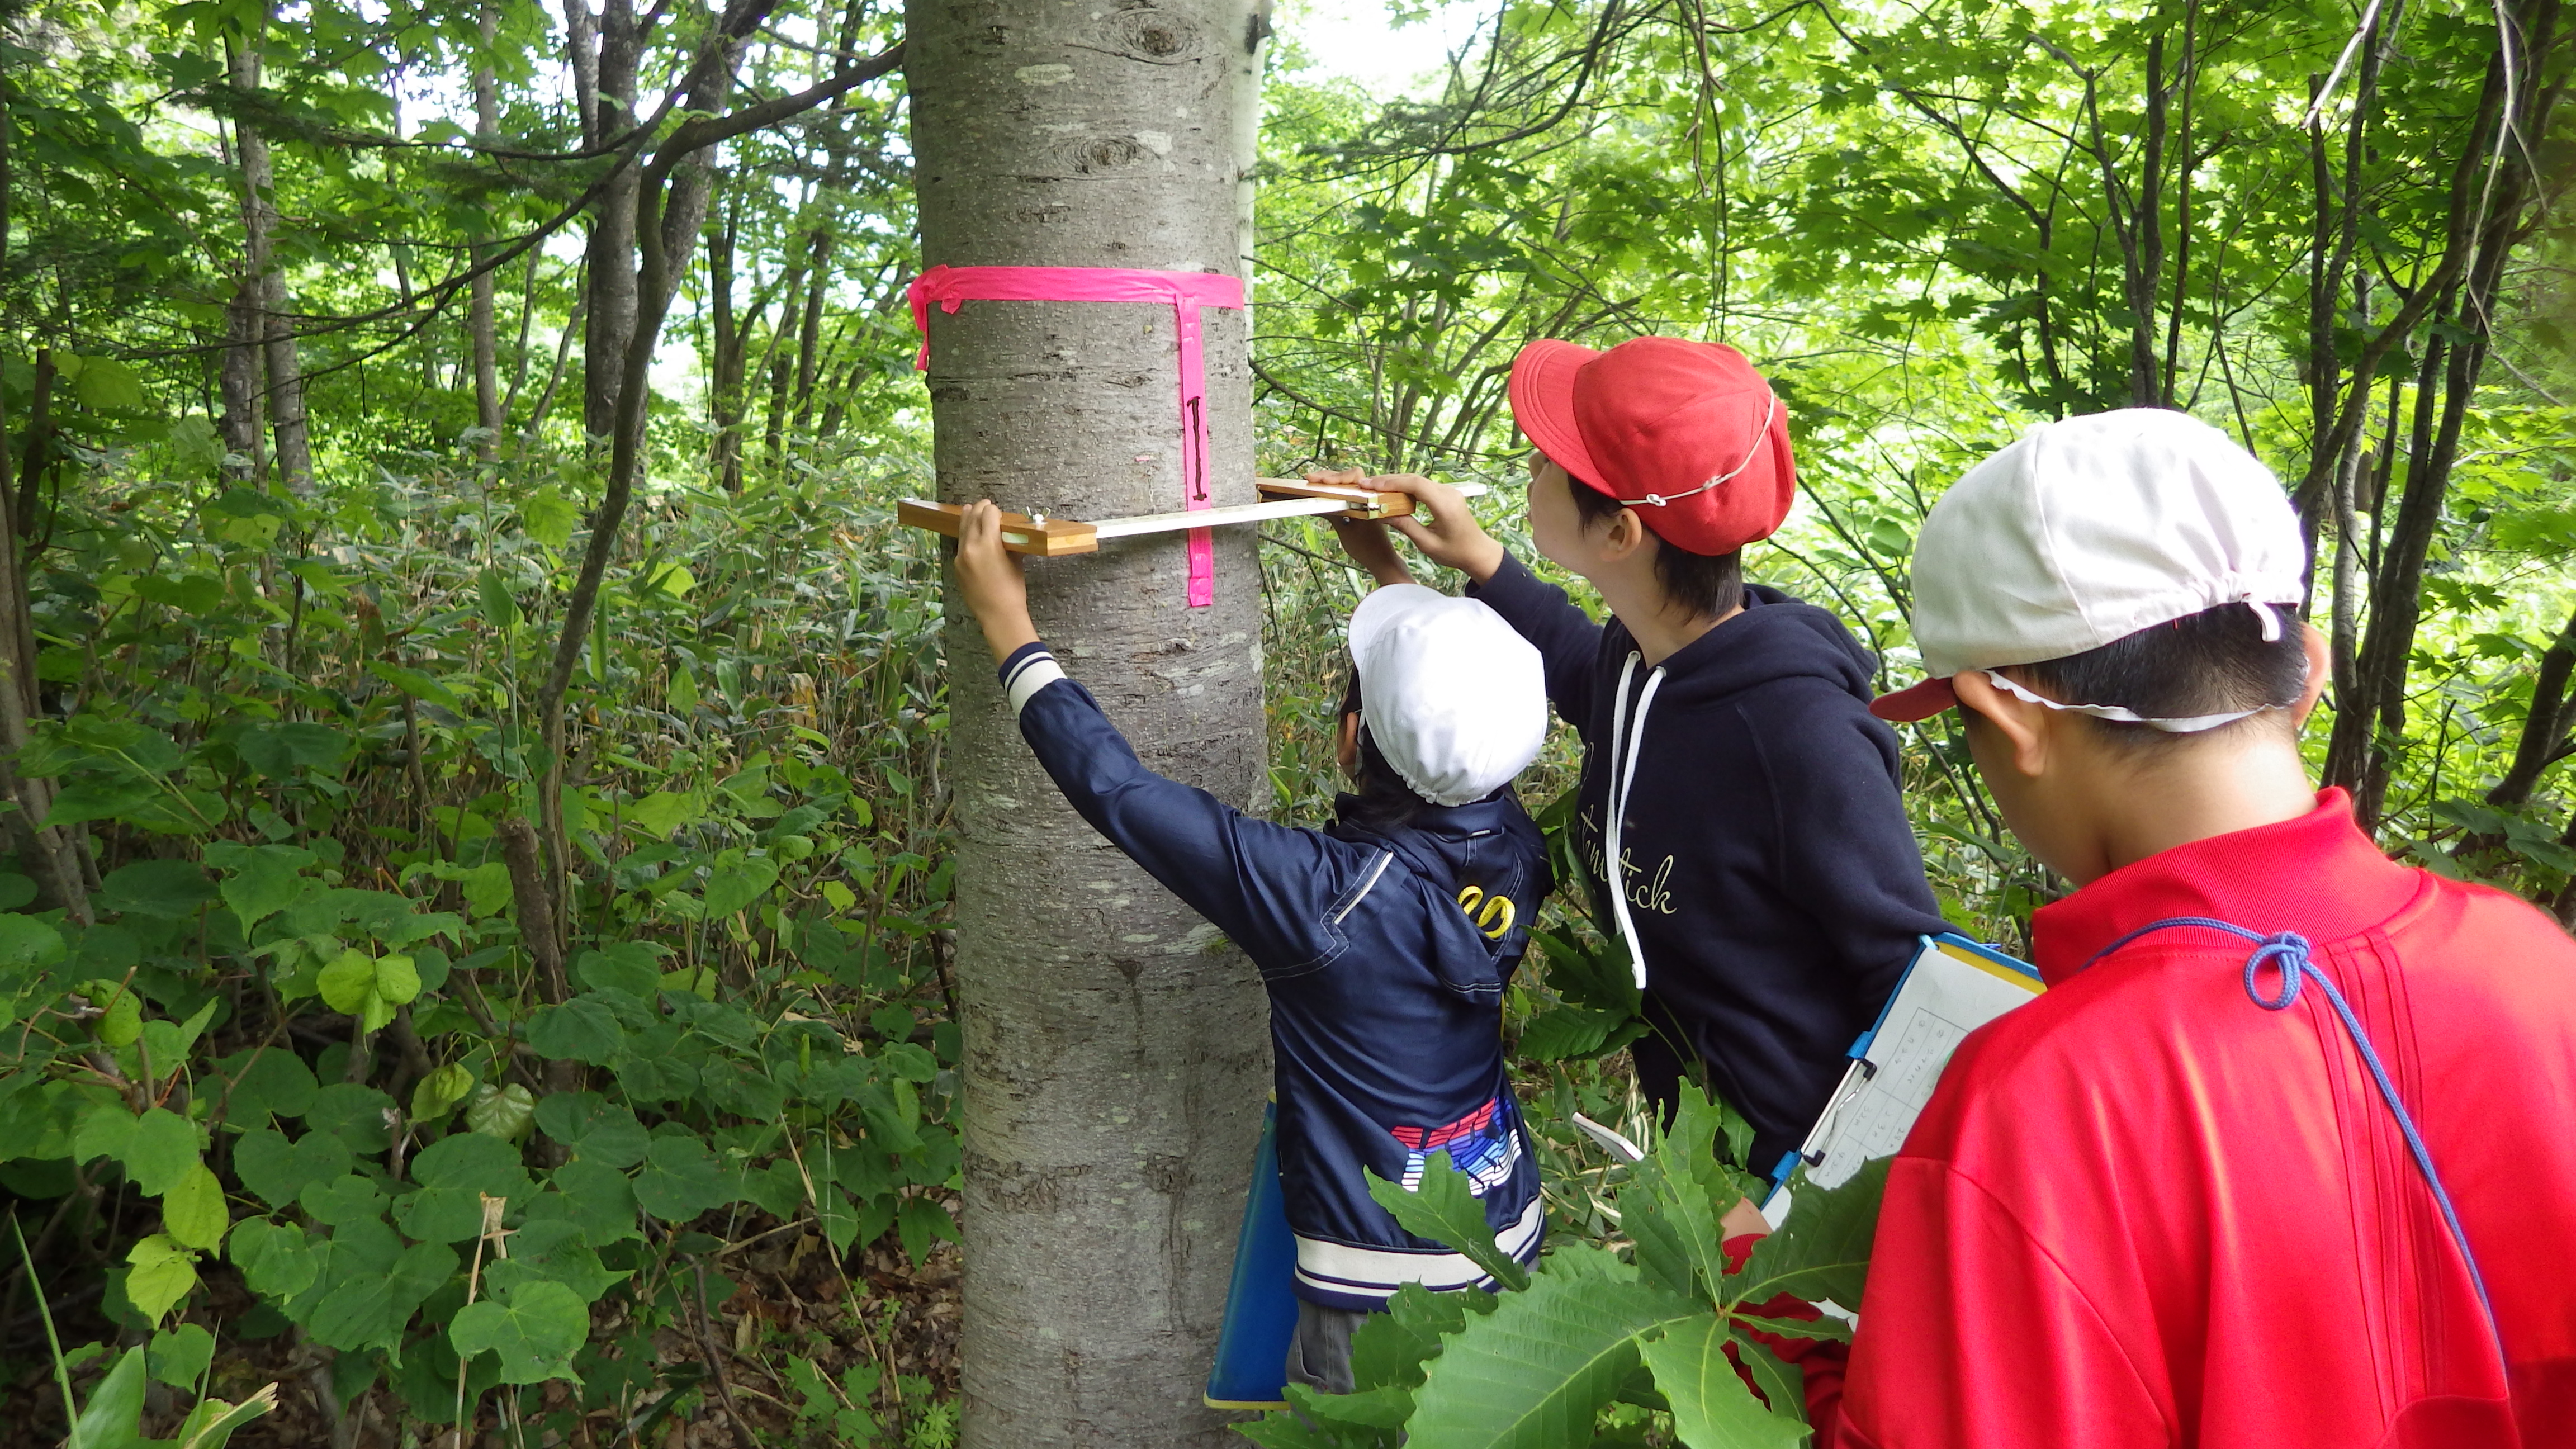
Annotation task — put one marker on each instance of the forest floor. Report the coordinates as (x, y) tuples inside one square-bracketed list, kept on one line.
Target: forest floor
[(791, 1301)]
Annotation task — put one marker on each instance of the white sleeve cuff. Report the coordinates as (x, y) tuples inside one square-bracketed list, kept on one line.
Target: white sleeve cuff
[(1031, 674)]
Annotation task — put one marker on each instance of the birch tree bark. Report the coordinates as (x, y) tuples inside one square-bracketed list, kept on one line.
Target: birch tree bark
[(266, 281), (1115, 1054)]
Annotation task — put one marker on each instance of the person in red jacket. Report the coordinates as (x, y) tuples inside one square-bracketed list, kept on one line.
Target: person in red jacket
[(2286, 1156)]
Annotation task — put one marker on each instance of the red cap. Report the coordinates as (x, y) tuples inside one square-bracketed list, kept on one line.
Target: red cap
[(1916, 701), (1686, 433)]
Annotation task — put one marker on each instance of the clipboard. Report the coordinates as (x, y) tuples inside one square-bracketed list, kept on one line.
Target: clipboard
[(1951, 987)]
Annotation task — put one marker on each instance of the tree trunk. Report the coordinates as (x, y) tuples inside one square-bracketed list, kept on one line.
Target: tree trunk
[(724, 393), (1114, 1063), (2544, 725), (267, 283), (610, 259), (479, 327)]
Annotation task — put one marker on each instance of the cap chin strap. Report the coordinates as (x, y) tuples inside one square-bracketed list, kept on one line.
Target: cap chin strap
[(1658, 500), (2189, 725)]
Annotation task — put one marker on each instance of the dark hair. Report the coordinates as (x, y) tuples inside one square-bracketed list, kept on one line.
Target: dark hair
[(1379, 799), (2213, 662), (1709, 585)]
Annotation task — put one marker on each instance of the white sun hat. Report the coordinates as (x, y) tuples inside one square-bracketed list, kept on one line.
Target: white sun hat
[(2086, 531), (1455, 699)]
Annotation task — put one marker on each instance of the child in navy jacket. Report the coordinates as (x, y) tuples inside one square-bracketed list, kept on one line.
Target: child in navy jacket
[(1385, 939)]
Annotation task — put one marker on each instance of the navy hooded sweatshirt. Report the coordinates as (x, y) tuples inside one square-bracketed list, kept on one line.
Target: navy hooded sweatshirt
[(1385, 990), (1771, 875)]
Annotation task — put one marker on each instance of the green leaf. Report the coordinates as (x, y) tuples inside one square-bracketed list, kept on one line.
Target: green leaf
[(1779, 1383), (552, 1250), (1393, 1347), (26, 941), (680, 1180), (921, 1223), (179, 1355), (368, 1311), (160, 1272), (492, 591), (473, 1162), (660, 813), (261, 880), (1444, 1211), (112, 1419), (277, 1262), (1674, 1205), (580, 1030), (1570, 1032), (355, 1114), (279, 750), (503, 1112), (1822, 1251), (436, 1094), (734, 885), (548, 516), (342, 1201), (592, 1130), (628, 966), (161, 1151), (213, 1422), (193, 1212), (171, 890), (1533, 1373), (1380, 1408), (533, 1331), (106, 385), (1712, 1409), (594, 1197), (369, 988), (279, 1172)]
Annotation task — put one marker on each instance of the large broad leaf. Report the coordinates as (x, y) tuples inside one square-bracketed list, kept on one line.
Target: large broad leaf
[(112, 1419), (1600, 979), (533, 1331), (1822, 1251), (170, 889), (161, 1151), (1534, 1372), (263, 879), (1569, 1032), (159, 1273), (276, 1259), (193, 1211), (1712, 1409), (580, 1030), (277, 750), (1444, 1211), (1675, 1205), (178, 1356), (591, 1129), (681, 1179), (551, 1250), (279, 1171), (1391, 1348), (211, 1424)]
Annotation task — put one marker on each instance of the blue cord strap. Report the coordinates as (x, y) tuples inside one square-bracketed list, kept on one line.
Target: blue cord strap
[(2287, 953)]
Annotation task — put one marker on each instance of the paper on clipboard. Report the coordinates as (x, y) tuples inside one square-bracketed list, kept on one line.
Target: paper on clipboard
[(1952, 987)]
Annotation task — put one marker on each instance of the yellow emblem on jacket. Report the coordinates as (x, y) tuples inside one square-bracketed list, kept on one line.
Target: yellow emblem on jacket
[(1497, 915)]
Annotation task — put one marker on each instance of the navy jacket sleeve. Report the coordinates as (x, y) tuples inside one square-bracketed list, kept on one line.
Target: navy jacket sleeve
[(1269, 888), (1566, 638), (1847, 858)]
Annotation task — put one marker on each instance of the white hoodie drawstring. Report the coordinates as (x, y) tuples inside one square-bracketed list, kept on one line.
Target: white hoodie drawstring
[(1626, 742)]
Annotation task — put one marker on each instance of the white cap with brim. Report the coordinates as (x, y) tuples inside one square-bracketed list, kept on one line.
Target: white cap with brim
[(1454, 698), (2086, 531)]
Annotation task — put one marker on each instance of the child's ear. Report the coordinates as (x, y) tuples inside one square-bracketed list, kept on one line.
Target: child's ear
[(1627, 534), (2320, 672), (2023, 727)]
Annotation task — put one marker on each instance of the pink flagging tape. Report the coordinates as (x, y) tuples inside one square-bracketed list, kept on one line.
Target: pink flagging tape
[(1184, 292)]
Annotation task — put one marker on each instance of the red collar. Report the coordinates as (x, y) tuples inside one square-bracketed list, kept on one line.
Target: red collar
[(2317, 875)]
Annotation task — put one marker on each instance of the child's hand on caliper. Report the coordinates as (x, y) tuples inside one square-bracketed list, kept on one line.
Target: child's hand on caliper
[(989, 581)]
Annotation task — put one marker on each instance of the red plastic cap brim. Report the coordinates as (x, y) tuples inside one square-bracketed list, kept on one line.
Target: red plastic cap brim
[(1921, 701), (1542, 394)]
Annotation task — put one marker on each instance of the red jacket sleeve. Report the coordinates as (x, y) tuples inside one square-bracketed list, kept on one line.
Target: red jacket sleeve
[(1973, 1336)]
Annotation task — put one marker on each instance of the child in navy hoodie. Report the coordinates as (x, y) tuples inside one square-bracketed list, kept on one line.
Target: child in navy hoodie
[(1738, 805), (1385, 939)]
